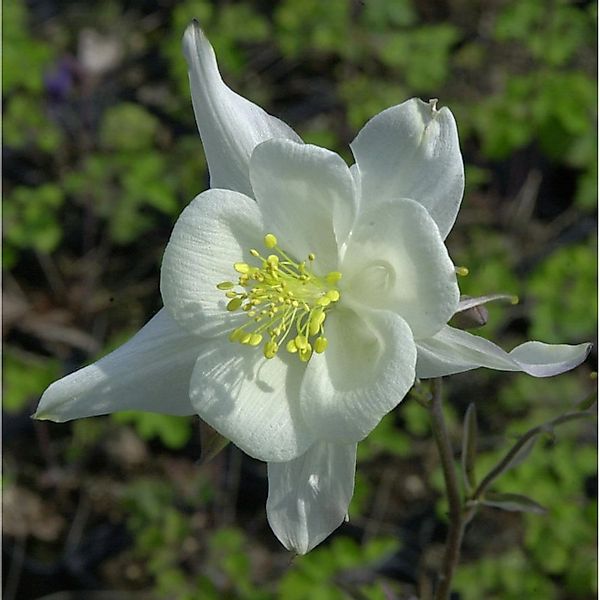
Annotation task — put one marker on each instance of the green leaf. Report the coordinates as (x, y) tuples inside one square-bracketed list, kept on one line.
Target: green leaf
[(24, 379), (128, 126), (564, 290), (26, 124), (174, 432), (314, 26), (31, 217), (513, 503), (24, 55)]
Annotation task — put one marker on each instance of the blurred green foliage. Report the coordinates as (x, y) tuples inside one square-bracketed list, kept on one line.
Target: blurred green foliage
[(559, 544), (108, 168), (318, 574), (20, 391), (24, 55), (32, 220), (174, 432), (564, 289), (26, 126)]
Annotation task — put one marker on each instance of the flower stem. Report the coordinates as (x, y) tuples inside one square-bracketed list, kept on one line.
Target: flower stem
[(456, 526)]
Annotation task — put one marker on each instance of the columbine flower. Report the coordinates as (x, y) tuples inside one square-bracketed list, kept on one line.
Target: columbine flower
[(302, 298)]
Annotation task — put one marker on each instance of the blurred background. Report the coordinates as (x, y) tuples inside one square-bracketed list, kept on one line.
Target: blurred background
[(100, 156)]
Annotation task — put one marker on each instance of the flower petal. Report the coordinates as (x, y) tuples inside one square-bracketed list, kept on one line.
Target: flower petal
[(216, 230), (412, 151), (150, 372), (396, 260), (368, 367), (307, 198), (309, 496), (454, 351), (251, 400), (230, 126)]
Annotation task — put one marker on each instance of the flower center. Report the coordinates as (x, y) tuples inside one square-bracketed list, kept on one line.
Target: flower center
[(284, 301)]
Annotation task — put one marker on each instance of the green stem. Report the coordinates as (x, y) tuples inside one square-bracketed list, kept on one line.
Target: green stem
[(456, 525)]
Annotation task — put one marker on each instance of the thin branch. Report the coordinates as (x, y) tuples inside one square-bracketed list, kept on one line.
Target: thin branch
[(518, 446), (456, 526)]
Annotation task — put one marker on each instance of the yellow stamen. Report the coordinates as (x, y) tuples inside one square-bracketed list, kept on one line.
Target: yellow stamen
[(305, 353), (255, 339), (301, 342), (270, 241), (321, 344), (242, 268), (234, 304), (333, 277), (270, 349), (284, 301)]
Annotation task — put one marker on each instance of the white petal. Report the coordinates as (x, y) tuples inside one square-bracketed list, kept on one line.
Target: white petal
[(216, 230), (365, 372), (454, 351), (230, 126), (150, 372), (412, 151), (396, 260), (250, 400), (468, 302), (309, 496), (306, 195)]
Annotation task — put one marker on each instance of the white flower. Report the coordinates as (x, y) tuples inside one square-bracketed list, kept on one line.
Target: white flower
[(302, 298)]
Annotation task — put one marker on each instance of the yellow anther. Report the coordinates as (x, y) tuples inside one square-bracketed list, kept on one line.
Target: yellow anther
[(305, 353), (234, 304), (255, 339), (285, 302), (321, 344), (316, 319), (514, 300), (242, 267), (270, 349), (333, 277), (462, 271), (270, 241), (301, 341), (236, 334)]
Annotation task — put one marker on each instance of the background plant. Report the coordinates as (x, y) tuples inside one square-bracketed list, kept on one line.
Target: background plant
[(101, 155)]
